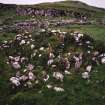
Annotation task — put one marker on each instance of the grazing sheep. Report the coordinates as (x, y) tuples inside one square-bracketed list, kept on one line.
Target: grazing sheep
[(58, 76)]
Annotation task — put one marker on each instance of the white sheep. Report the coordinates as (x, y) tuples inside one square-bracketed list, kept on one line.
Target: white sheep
[(89, 68), (51, 55), (103, 60), (17, 58), (85, 75), (15, 81), (31, 76), (46, 79), (16, 65), (49, 86), (50, 61), (67, 72), (23, 78), (58, 89), (30, 67), (32, 46), (58, 76), (41, 49), (22, 42)]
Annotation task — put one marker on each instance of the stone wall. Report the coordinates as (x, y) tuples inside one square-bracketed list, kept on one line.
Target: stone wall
[(23, 11)]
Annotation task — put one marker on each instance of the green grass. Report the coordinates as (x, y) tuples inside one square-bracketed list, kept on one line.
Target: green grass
[(77, 90), (6, 36), (95, 31)]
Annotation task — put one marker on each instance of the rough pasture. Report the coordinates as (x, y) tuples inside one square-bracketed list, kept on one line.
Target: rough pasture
[(54, 64)]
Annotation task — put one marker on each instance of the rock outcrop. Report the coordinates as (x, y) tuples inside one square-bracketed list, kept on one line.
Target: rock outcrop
[(29, 11)]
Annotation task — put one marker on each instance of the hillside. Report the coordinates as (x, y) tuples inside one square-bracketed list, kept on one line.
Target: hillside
[(75, 7), (52, 54)]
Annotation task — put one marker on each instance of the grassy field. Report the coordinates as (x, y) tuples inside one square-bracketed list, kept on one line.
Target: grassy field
[(95, 31), (77, 90)]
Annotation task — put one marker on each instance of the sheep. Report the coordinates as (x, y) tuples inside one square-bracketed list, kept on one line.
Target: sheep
[(31, 76), (103, 60), (32, 46), (49, 86), (23, 78), (58, 76), (40, 55), (50, 61), (29, 84), (85, 75), (46, 78), (17, 59), (67, 72), (22, 42), (43, 30), (67, 63), (41, 49), (51, 55), (88, 68), (58, 89), (15, 81), (30, 67), (16, 65), (77, 63)]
